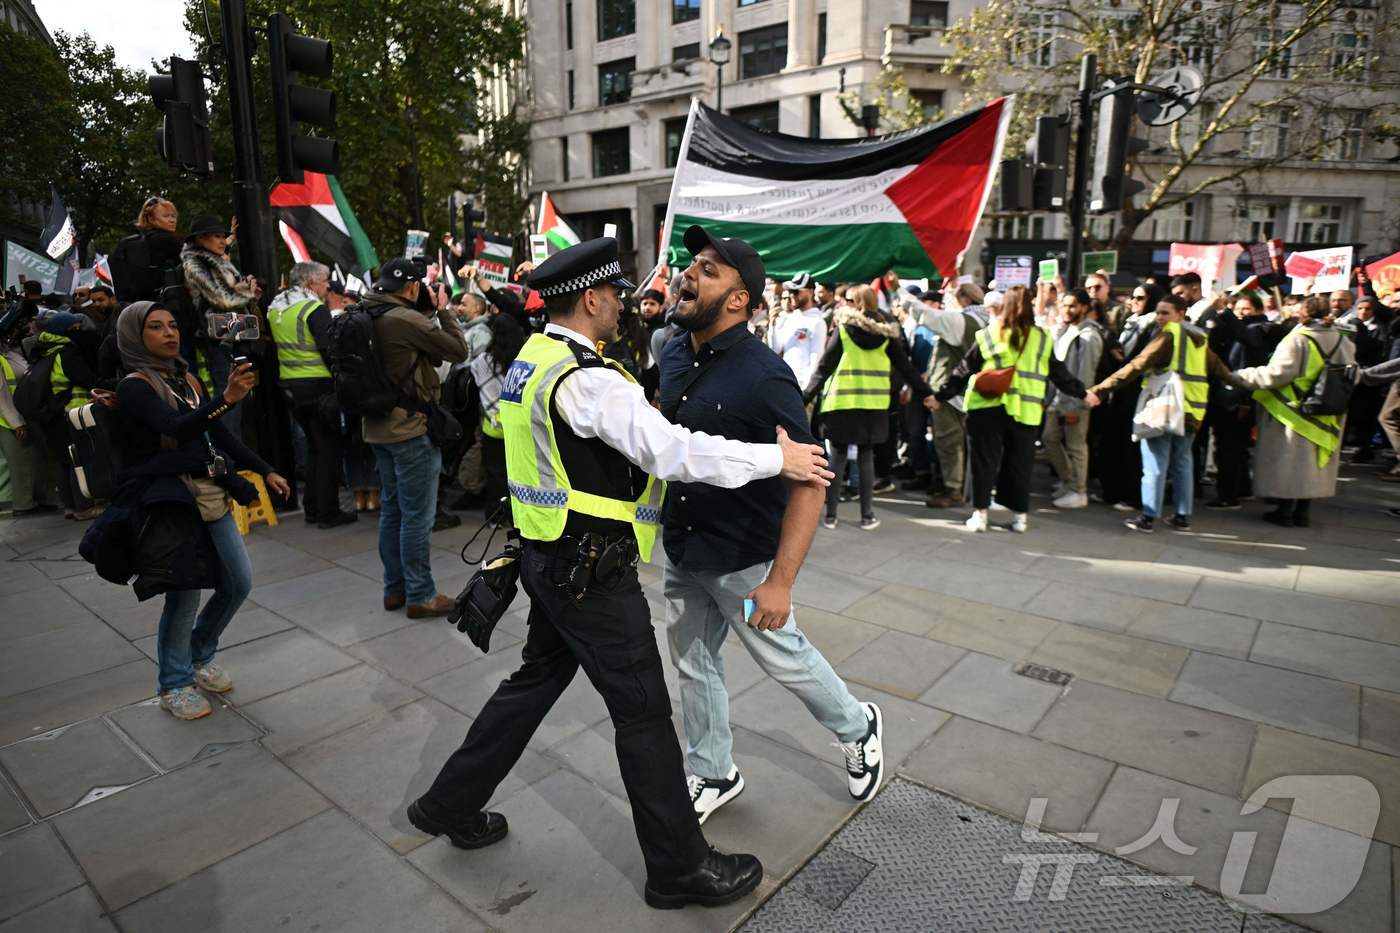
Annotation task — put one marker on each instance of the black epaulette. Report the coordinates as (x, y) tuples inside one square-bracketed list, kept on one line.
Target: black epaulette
[(584, 355)]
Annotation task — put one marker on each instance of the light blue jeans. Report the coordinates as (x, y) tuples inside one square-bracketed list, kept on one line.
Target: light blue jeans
[(700, 609), (184, 644), (1167, 456), (408, 488)]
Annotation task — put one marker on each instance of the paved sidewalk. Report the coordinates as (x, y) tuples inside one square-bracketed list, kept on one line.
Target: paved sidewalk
[(1202, 666)]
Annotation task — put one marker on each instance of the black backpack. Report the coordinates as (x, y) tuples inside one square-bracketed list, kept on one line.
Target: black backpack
[(34, 392), (1331, 393), (361, 385), (92, 451)]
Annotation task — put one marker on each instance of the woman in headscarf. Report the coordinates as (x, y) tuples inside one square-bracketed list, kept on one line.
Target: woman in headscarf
[(167, 429)]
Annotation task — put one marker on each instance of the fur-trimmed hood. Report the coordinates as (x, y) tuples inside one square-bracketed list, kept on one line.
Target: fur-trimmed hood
[(867, 331)]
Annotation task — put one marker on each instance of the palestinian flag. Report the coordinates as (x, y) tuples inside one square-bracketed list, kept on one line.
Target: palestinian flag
[(295, 244), (318, 209), (841, 209), (559, 234)]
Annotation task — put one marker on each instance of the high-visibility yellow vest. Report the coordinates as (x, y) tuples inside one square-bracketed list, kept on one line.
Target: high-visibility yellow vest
[(491, 425), (1025, 400), (1189, 362), (1323, 431), (59, 383), (297, 355), (202, 371), (11, 380), (540, 492), (861, 380)]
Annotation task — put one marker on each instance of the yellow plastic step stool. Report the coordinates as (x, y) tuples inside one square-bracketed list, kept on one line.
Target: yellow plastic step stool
[(260, 511)]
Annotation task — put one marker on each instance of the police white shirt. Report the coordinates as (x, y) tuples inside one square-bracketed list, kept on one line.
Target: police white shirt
[(799, 337), (597, 401)]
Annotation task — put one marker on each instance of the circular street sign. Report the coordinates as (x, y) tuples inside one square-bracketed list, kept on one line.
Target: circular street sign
[(1162, 109)]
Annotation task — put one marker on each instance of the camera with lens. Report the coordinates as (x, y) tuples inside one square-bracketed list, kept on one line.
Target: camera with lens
[(217, 466), (233, 326)]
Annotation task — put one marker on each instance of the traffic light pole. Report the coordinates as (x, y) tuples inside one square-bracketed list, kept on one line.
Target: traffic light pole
[(1083, 140)]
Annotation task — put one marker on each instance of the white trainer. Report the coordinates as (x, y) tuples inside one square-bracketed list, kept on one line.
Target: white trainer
[(1019, 523), (185, 703), (865, 757), (1072, 500), (707, 794), (978, 521), (213, 678)]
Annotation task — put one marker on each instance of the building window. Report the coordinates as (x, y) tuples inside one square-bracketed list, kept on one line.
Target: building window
[(612, 152), (928, 13), (1268, 137), (568, 25), (1319, 222), (759, 116), (683, 11), (1342, 132), (1035, 45), (930, 104), (1196, 44), (1103, 226), (749, 2), (821, 37), (616, 18), (1265, 46), (685, 53), (674, 131), (570, 76), (814, 116), (1351, 47), (763, 51), (1173, 224), (564, 157), (1019, 227), (615, 81), (1256, 221)]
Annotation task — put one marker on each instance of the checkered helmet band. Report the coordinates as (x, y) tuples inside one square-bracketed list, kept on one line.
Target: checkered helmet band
[(578, 283)]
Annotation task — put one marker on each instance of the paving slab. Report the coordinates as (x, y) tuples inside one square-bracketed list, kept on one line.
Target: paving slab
[(172, 742), (323, 874), (1189, 744), (831, 590), (1117, 573), (1277, 753), (134, 843), (1361, 586), (1003, 770), (273, 561), (1250, 568), (426, 648), (34, 868), (310, 589), (115, 605), (1202, 629), (1301, 702), (304, 714), (12, 812), (901, 664), (1122, 661), (837, 637), (37, 611), (1072, 602), (905, 608), (279, 662), (1323, 613), (984, 688), (74, 912), (46, 658), (1340, 657), (349, 616), (374, 770), (62, 768), (249, 625), (1380, 721), (965, 581), (84, 697)]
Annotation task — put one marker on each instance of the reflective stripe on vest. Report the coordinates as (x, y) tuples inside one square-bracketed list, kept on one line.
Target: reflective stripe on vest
[(11, 380), (59, 383), (1189, 362), (1024, 401), (1323, 431), (297, 354), (861, 380), (541, 496)]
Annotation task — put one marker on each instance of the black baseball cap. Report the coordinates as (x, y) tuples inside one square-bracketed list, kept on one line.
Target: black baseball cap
[(735, 252), (396, 273)]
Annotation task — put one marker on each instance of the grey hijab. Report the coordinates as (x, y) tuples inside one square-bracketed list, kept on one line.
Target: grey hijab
[(131, 326)]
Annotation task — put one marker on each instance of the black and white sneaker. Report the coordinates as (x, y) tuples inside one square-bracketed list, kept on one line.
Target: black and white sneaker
[(707, 794), (865, 757)]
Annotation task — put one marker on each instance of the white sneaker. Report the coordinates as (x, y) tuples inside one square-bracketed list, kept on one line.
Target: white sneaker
[(1072, 500), (865, 757), (978, 521), (185, 703), (708, 795), (1018, 523), (1059, 489), (213, 678)]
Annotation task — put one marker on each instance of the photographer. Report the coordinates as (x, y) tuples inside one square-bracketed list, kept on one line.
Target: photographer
[(410, 347), (217, 288)]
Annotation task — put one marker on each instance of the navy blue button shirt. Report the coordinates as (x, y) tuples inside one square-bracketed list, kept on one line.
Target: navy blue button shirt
[(734, 387)]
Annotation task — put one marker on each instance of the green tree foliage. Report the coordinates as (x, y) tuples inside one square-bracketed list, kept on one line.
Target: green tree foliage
[(36, 119)]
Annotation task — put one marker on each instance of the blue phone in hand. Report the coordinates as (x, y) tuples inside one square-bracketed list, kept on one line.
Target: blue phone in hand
[(748, 609)]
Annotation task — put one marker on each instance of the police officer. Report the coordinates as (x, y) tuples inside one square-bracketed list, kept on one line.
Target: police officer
[(586, 457), (300, 324)]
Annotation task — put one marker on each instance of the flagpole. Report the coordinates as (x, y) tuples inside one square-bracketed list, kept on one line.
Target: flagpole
[(675, 181)]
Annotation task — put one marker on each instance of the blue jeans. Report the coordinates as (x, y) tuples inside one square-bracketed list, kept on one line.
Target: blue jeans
[(184, 644), (701, 607), (1167, 456), (408, 486)]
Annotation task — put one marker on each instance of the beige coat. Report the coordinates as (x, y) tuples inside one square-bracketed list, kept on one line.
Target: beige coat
[(1285, 463)]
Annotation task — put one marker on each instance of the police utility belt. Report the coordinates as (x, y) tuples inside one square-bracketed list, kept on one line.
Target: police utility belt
[(591, 558)]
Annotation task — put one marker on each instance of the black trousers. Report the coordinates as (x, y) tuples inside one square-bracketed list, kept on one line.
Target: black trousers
[(609, 634), (56, 436), (1232, 429), (1119, 458), (493, 464), (325, 448), (1003, 455)]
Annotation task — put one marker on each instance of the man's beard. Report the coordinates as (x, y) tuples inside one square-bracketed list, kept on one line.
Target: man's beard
[(702, 316)]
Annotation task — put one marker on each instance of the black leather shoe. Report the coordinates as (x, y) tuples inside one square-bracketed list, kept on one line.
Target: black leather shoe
[(718, 879), (475, 832)]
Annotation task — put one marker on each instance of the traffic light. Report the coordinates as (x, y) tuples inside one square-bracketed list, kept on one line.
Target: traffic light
[(294, 104), (1017, 177), (470, 218), (1110, 184), (183, 138), (1049, 151)]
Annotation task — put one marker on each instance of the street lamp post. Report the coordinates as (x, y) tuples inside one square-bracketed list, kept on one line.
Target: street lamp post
[(719, 57)]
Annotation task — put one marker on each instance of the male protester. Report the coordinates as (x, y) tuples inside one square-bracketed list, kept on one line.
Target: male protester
[(726, 546), (650, 305), (799, 336), (585, 459), (410, 349), (1079, 345), (826, 300), (299, 320), (1099, 289), (956, 330)]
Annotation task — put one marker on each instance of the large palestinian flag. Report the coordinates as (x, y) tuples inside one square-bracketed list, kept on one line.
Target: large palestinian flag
[(841, 209), (317, 209)]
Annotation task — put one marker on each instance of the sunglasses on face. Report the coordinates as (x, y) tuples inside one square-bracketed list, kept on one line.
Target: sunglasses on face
[(1139, 298)]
